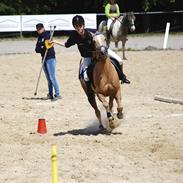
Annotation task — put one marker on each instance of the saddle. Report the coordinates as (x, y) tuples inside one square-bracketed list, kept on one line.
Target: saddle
[(89, 71), (111, 26), (91, 67), (117, 67)]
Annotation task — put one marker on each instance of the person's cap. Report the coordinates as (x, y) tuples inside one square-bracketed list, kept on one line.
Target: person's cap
[(39, 26)]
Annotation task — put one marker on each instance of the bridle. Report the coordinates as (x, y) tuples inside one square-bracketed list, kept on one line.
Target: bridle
[(125, 21), (102, 49)]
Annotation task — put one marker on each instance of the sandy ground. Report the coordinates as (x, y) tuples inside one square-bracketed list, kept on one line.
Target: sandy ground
[(147, 147)]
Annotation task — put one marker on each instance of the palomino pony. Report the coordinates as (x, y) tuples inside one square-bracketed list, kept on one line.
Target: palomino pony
[(119, 29), (105, 83)]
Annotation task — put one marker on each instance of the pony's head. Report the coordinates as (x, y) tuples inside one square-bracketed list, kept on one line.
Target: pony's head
[(101, 48), (129, 19)]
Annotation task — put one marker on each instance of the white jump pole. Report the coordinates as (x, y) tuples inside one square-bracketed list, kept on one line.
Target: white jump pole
[(168, 99), (166, 35)]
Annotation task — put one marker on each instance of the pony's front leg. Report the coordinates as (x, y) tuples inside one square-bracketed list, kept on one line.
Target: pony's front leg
[(116, 45), (108, 108), (119, 104), (111, 98)]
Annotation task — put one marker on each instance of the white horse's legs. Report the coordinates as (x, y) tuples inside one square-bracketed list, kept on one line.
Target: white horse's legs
[(116, 44), (123, 50), (108, 40)]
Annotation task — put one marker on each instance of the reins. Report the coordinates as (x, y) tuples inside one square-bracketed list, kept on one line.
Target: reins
[(123, 20)]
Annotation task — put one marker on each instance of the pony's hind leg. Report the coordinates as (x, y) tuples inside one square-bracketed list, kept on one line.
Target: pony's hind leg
[(91, 98), (92, 101)]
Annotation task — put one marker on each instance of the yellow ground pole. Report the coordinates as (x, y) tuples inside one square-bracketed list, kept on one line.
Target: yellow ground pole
[(54, 164)]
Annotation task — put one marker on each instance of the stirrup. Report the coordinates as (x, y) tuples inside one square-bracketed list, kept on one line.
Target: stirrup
[(85, 75), (125, 81)]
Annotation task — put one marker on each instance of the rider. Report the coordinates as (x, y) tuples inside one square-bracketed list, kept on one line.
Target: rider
[(112, 12), (83, 38)]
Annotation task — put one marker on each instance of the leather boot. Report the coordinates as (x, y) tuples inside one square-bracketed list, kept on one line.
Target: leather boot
[(88, 86), (108, 34), (123, 76)]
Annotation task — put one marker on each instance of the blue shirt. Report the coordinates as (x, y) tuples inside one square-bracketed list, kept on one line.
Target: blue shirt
[(40, 46)]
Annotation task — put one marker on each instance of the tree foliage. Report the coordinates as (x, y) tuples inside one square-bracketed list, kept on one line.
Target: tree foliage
[(19, 7)]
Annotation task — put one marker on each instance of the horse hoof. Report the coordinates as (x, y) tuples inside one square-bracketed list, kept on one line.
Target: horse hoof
[(120, 115), (104, 130), (101, 127), (112, 124), (108, 130)]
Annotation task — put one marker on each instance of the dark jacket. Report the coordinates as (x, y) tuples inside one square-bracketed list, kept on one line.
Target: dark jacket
[(40, 46), (85, 44)]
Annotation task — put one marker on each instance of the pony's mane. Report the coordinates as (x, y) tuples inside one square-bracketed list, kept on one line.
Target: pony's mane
[(120, 18)]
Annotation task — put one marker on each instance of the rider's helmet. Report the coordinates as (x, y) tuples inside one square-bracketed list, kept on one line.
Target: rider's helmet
[(78, 20)]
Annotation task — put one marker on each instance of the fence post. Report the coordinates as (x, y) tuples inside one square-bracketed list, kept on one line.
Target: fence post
[(181, 20), (146, 22), (166, 35), (21, 34)]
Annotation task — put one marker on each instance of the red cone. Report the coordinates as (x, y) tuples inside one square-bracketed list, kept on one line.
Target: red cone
[(41, 126)]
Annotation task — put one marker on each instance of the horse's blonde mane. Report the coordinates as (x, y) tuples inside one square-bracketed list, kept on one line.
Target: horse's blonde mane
[(99, 38)]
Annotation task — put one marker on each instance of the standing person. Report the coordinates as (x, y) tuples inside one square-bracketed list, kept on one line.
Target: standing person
[(49, 63), (112, 12), (84, 40)]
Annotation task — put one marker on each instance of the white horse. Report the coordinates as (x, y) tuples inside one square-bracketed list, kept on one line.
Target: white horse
[(119, 29)]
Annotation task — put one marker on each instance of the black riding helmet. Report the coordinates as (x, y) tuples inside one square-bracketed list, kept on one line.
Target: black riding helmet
[(78, 20)]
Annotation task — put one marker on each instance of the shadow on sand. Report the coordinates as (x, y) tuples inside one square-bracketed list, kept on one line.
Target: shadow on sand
[(87, 131), (35, 98)]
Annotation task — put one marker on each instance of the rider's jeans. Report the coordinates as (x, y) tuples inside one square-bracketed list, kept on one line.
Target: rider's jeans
[(86, 63), (49, 70)]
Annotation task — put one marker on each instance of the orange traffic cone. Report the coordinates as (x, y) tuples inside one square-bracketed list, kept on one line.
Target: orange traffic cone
[(41, 126)]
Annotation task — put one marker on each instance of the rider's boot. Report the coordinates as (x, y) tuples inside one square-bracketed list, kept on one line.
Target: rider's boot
[(108, 34), (123, 77), (88, 86)]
